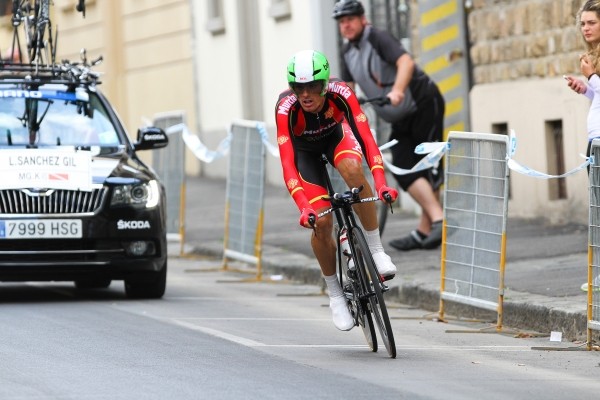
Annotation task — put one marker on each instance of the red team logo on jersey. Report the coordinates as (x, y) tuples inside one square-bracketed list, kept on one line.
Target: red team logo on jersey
[(282, 139), (361, 117), (329, 113), (377, 160), (292, 183)]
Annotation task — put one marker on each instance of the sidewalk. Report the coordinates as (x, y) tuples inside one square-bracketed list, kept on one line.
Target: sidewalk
[(545, 265)]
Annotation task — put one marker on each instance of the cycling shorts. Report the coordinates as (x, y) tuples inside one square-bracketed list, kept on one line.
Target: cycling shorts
[(338, 145), (426, 125)]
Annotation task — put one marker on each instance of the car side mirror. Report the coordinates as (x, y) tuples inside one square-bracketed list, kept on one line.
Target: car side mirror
[(150, 138)]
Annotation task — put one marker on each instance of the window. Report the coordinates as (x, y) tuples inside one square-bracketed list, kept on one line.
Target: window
[(556, 159)]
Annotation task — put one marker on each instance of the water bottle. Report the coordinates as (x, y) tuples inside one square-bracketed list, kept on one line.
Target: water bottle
[(346, 249)]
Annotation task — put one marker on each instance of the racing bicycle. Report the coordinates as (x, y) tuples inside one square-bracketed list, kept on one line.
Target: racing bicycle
[(362, 284), (34, 16)]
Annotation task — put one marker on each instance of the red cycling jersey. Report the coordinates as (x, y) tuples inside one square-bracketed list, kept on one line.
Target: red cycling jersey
[(339, 130)]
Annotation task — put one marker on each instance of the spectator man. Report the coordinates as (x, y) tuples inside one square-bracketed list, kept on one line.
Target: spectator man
[(381, 66)]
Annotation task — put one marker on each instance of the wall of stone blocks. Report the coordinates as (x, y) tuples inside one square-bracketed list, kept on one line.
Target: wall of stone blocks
[(511, 40)]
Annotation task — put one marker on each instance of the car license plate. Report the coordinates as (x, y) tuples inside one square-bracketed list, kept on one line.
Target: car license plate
[(40, 229)]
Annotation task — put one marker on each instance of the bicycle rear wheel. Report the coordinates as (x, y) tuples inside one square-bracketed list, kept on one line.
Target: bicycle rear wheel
[(373, 286)]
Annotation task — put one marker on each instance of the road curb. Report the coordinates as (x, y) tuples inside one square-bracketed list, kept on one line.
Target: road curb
[(522, 311)]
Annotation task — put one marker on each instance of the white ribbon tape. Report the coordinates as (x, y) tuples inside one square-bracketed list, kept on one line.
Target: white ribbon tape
[(524, 170), (206, 155), (273, 150), (521, 169), (434, 150)]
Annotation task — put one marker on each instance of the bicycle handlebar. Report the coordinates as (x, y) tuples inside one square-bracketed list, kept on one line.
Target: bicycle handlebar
[(349, 197)]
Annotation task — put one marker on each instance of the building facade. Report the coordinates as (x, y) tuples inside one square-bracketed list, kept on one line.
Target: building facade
[(214, 61)]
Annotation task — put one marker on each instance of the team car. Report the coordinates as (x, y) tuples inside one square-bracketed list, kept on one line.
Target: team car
[(76, 202)]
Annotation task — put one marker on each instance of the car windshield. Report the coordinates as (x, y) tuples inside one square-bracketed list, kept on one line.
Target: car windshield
[(54, 118)]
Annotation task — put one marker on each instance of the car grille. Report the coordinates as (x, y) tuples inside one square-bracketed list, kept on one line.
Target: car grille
[(51, 201)]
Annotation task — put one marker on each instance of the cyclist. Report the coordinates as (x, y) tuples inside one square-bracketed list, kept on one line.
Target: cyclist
[(381, 66), (317, 116)]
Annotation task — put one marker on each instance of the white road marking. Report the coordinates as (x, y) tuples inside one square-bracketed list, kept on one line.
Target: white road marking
[(252, 343)]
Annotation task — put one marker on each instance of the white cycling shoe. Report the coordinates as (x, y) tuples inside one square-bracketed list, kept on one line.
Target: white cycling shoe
[(342, 319), (385, 266)]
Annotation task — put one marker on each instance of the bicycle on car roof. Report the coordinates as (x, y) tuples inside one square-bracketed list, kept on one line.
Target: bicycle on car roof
[(34, 18)]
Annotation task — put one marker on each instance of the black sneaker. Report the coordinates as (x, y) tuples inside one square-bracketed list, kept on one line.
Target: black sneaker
[(414, 240), (434, 239)]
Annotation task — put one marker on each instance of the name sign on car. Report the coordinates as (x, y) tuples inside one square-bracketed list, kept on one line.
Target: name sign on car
[(46, 168)]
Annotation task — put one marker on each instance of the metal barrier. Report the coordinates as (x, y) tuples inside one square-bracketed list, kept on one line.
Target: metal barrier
[(475, 214), (593, 299), (245, 195), (169, 163)]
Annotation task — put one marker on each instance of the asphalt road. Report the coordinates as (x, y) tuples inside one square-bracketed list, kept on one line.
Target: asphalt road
[(219, 335)]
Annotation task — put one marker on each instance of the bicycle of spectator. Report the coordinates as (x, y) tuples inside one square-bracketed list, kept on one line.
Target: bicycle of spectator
[(383, 209), (362, 284)]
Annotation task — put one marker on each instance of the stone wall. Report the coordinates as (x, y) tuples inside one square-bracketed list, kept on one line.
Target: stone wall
[(512, 40)]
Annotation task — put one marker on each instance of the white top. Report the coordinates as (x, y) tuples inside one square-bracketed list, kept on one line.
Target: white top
[(593, 120)]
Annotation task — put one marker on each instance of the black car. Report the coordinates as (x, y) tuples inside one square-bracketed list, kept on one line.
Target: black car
[(76, 202)]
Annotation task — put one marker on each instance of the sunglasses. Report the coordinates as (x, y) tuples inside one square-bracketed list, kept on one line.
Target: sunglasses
[(314, 87)]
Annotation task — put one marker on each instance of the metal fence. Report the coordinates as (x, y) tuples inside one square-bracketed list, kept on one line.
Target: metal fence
[(593, 309), (169, 163), (475, 214), (245, 195)]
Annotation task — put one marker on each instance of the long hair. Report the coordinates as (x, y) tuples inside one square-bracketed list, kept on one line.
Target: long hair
[(593, 50)]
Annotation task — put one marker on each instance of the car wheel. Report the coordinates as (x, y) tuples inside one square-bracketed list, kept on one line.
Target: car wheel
[(92, 283), (147, 288)]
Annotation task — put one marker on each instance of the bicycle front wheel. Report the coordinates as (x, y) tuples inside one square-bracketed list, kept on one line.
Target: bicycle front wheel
[(382, 214), (373, 286), (359, 305)]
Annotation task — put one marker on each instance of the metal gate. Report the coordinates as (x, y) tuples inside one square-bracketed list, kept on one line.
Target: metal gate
[(593, 309), (475, 214), (244, 195), (169, 163)]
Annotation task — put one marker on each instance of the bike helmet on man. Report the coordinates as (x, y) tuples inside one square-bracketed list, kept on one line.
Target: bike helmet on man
[(347, 7), (308, 66)]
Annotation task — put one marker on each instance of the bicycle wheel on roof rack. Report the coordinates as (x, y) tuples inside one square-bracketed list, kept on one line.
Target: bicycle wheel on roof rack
[(36, 29), (374, 290)]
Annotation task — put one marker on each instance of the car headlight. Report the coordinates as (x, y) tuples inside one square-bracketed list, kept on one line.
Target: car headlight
[(136, 195)]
